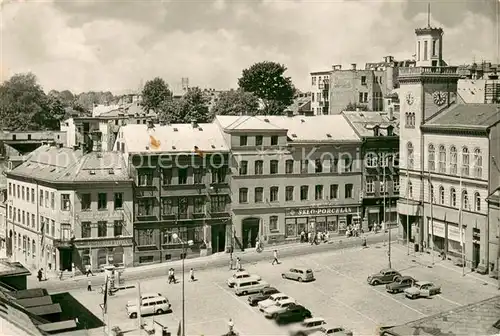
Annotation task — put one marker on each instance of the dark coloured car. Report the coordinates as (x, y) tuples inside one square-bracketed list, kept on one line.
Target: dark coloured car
[(385, 276), (400, 284), (296, 313), (264, 294)]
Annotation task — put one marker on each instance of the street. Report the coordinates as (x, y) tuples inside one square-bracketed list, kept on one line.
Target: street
[(340, 294)]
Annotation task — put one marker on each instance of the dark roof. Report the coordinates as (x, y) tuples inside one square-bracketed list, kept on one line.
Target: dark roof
[(35, 301), (29, 293), (12, 269), (363, 122), (467, 115), (300, 104), (45, 310)]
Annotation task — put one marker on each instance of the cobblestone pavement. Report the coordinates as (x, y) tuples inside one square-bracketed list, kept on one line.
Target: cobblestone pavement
[(340, 294)]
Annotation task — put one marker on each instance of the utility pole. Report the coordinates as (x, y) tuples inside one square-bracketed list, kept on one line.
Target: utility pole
[(431, 200)]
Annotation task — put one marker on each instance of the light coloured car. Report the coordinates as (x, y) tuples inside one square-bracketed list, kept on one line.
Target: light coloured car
[(241, 275), (157, 305), (422, 289), (308, 326), (299, 274), (331, 330), (144, 296), (249, 286), (278, 308), (273, 299)]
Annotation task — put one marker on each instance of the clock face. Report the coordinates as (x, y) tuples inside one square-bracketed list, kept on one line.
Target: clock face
[(439, 97), (409, 98)]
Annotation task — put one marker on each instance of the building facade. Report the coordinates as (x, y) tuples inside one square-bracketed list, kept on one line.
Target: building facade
[(320, 88), (292, 175), (379, 132), (181, 187), (69, 208)]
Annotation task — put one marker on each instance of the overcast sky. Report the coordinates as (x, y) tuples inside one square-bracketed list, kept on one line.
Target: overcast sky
[(113, 45)]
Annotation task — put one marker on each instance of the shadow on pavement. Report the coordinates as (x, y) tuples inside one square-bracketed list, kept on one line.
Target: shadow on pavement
[(71, 308)]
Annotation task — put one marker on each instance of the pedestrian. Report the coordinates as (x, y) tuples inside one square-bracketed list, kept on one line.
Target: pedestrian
[(231, 263), (230, 324), (309, 237), (170, 275), (73, 270), (89, 270), (173, 276), (40, 274), (238, 264), (191, 274), (302, 236), (89, 285), (61, 274), (275, 260)]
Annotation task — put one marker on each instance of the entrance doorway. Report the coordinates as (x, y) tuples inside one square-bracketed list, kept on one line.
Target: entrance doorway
[(476, 248), (250, 231), (65, 259), (218, 238)]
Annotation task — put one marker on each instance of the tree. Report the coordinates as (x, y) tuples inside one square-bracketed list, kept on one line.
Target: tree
[(236, 102), (355, 106), (266, 81), (191, 106), (154, 94)]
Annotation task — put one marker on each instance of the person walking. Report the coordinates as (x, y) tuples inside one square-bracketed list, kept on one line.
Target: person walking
[(89, 285), (275, 259), (40, 274), (191, 274), (230, 324), (170, 276), (238, 264), (231, 263), (89, 270)]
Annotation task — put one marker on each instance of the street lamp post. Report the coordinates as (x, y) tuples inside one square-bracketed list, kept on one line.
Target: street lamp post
[(175, 236)]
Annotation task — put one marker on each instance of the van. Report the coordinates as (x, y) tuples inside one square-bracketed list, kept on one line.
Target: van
[(156, 305), (299, 274), (249, 286)]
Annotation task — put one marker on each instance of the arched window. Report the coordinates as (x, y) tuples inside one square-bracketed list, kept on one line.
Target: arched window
[(465, 161), (465, 200), (478, 163), (431, 158), (442, 159), (409, 153), (431, 192), (33, 248), (477, 201), (410, 189), (453, 160), (453, 197), (407, 119), (371, 160), (412, 118), (441, 195)]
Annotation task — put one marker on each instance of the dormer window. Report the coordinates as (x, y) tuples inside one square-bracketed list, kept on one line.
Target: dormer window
[(390, 130), (376, 131)]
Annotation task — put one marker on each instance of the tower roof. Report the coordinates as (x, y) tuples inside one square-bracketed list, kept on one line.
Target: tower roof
[(429, 31)]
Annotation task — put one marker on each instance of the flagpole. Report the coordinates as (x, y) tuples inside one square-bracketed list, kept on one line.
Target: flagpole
[(462, 238), (407, 209), (431, 202)]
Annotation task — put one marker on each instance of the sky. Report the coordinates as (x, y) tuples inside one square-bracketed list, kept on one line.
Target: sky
[(117, 45)]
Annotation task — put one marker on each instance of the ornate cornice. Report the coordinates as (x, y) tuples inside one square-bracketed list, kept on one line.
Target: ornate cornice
[(455, 130)]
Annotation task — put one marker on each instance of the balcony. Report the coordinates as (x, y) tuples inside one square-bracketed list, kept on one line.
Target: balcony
[(429, 70), (64, 242)]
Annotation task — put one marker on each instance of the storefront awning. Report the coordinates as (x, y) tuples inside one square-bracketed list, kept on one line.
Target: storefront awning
[(409, 208), (373, 210)]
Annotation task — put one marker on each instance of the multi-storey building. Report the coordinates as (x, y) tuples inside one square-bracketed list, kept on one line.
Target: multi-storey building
[(292, 175), (444, 146), (66, 207), (320, 86), (379, 132), (181, 187), (478, 86)]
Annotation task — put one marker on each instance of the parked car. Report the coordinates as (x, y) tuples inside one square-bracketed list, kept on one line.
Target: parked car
[(273, 299), (249, 285), (330, 330), (422, 289), (385, 276), (144, 296), (241, 275), (400, 284), (299, 274), (274, 310), (296, 313), (264, 294), (308, 326), (157, 305)]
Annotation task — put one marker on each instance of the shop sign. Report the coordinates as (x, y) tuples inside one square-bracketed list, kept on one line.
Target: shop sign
[(438, 227), (320, 211), (454, 233), (104, 242)]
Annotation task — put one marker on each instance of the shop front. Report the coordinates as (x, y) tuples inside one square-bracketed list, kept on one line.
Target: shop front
[(334, 220), (99, 253), (447, 237)]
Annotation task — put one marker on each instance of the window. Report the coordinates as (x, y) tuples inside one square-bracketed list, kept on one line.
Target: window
[(334, 191), (118, 228), (183, 207), (453, 197), (477, 201), (145, 237), (243, 140), (363, 80), (166, 176), (371, 160), (33, 221), (19, 192), (453, 160), (274, 194), (22, 193), (289, 166), (382, 185), (167, 206), (41, 198), (24, 218), (465, 161), (118, 201), (243, 195), (431, 158), (304, 191), (334, 165), (182, 175), (145, 177), (347, 164), (274, 140), (441, 195), (442, 159), (218, 203), (410, 189), (65, 203), (33, 195), (478, 163), (409, 153), (431, 193), (10, 189), (259, 195), (243, 167), (318, 192), (102, 229), (258, 140), (86, 201), (348, 190), (145, 207), (198, 175), (384, 159), (465, 200), (425, 50), (102, 201), (304, 166), (363, 97), (46, 199), (52, 198), (273, 223), (259, 164), (318, 166), (313, 83), (86, 230), (219, 175), (434, 47), (289, 193), (370, 185), (27, 219), (273, 167), (395, 184)]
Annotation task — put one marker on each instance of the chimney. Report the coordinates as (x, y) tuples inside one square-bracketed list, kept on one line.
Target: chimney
[(337, 67), (151, 125), (353, 66), (194, 124)]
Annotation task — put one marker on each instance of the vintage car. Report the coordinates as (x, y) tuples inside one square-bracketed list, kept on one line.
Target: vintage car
[(264, 294), (400, 284), (273, 299), (294, 313), (274, 310), (422, 289), (385, 276)]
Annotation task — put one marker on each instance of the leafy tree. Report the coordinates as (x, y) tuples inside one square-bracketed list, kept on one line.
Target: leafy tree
[(51, 116), (355, 106), (66, 97), (236, 102), (191, 106), (88, 99), (267, 82), (154, 94)]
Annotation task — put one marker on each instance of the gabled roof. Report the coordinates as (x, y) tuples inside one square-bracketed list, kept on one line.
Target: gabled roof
[(246, 123), (174, 138), (467, 116), (364, 122)]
